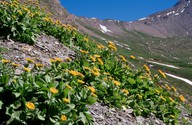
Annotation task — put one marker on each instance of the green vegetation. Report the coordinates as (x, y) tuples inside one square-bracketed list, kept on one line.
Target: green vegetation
[(60, 94), (163, 50)]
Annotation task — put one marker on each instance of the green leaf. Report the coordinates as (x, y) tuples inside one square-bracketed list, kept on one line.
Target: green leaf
[(139, 80), (92, 100), (65, 111), (47, 78), (83, 118), (17, 94), (71, 106), (1, 89), (131, 80), (1, 103), (5, 79), (52, 120), (40, 117)]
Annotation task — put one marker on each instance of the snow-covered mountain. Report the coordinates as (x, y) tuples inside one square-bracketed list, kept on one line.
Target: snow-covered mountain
[(175, 21)]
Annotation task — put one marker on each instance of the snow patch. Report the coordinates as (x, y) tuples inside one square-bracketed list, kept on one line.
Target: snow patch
[(115, 41), (140, 57), (143, 18), (104, 29), (169, 13), (176, 14), (119, 45), (182, 10), (103, 38), (128, 48), (162, 64), (180, 78), (109, 20), (94, 18)]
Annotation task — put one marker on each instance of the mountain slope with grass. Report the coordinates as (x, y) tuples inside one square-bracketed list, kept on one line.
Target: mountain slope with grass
[(61, 92)]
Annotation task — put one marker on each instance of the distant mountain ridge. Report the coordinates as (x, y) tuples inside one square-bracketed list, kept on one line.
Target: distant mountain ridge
[(175, 21)]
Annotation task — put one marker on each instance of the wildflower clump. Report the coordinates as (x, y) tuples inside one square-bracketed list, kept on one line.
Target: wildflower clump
[(60, 93), (112, 46)]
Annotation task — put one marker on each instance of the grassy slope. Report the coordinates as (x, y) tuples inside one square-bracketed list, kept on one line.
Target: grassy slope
[(160, 50)]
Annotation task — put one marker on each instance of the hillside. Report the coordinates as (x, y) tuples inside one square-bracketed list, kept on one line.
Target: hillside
[(168, 23), (44, 82)]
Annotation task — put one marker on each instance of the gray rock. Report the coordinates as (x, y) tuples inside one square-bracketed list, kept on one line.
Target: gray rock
[(45, 47)]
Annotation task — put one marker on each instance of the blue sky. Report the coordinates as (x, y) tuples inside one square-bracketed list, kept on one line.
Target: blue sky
[(124, 10)]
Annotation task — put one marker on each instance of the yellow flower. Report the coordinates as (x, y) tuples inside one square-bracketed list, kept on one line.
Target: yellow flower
[(172, 116), (125, 91), (63, 118), (14, 17), (92, 89), (19, 11), (58, 59), (68, 59), (53, 90), (92, 58), (157, 91), (156, 76), (26, 69), (80, 81), (95, 73), (50, 14), (139, 96), (122, 58), (58, 22), (100, 46), (29, 60), (96, 69), (112, 47), (15, 64), (174, 89), (52, 60), (111, 78), (46, 19), (87, 68), (126, 67), (85, 39), (167, 87), (93, 94), (84, 52), (116, 83), (66, 100), (100, 61), (132, 57), (5, 61), (182, 98), (106, 73), (105, 79), (97, 56), (31, 15), (39, 65), (26, 9), (30, 105), (162, 98), (146, 68), (75, 73), (68, 86), (163, 74), (171, 99)]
